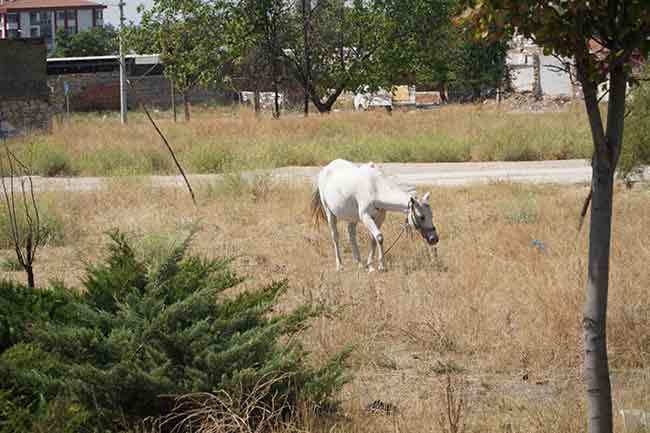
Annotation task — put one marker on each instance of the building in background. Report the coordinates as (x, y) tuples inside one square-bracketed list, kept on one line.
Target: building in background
[(552, 81), (21, 19)]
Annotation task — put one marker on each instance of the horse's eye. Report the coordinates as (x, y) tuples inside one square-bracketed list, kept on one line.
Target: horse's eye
[(421, 217)]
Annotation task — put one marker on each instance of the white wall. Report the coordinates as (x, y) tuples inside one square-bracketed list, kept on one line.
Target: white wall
[(85, 17), (553, 83)]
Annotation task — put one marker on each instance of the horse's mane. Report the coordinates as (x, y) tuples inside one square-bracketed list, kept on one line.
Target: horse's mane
[(395, 182)]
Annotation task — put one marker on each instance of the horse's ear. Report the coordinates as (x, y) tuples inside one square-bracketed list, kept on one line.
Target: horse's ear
[(425, 197)]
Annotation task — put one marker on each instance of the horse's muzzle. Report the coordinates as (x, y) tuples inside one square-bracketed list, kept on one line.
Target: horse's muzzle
[(432, 238)]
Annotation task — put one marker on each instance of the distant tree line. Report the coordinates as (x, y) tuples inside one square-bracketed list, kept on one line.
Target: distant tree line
[(322, 47)]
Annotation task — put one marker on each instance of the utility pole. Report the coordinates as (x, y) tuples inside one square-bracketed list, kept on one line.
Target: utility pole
[(123, 97)]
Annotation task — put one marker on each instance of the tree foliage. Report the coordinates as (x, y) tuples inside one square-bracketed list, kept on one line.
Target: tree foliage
[(98, 41), (325, 47), (637, 131), (144, 331), (190, 37)]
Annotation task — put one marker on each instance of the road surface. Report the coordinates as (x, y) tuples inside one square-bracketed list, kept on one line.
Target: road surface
[(436, 174)]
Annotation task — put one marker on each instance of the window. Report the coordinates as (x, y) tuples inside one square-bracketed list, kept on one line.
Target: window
[(46, 25), (60, 19), (99, 14), (34, 32), (12, 18), (34, 19), (72, 21), (12, 34)]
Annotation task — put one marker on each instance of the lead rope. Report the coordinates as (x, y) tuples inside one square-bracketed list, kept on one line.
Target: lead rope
[(405, 227)]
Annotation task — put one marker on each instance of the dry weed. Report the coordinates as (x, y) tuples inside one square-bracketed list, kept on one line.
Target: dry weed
[(492, 304)]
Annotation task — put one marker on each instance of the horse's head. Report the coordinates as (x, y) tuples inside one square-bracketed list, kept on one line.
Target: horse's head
[(420, 218)]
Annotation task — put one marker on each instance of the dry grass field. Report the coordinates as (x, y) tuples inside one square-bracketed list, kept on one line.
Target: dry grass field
[(493, 322), (218, 140)]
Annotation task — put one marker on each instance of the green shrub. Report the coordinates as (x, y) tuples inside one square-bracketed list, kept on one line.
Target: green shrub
[(636, 140), (144, 331)]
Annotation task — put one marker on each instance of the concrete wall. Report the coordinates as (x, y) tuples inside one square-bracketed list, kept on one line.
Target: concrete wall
[(553, 83)]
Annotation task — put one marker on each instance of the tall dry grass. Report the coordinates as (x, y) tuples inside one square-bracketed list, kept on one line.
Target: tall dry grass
[(493, 310), (218, 140)]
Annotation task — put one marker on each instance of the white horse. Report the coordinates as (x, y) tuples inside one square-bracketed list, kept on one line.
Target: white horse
[(352, 194)]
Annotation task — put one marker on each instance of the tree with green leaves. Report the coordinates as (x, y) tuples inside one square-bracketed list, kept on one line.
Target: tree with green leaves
[(189, 35), (601, 36), (98, 41), (262, 27), (475, 66), (421, 45), (637, 131)]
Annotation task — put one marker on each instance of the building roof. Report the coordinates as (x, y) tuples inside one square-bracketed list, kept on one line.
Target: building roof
[(19, 5)]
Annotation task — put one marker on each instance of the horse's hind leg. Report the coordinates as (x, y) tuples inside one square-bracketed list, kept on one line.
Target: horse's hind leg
[(331, 220), (352, 234)]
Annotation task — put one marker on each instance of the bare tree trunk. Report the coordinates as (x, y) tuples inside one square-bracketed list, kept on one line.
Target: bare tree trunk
[(173, 99), (442, 90), (537, 77), (325, 106), (186, 103), (607, 149), (30, 276), (276, 111), (306, 18), (306, 108), (256, 101)]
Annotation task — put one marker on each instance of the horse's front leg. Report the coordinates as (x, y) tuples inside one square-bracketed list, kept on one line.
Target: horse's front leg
[(371, 254), (352, 234), (378, 238), (331, 220)]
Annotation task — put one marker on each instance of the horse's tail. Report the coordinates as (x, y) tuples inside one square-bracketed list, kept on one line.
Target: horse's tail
[(317, 210)]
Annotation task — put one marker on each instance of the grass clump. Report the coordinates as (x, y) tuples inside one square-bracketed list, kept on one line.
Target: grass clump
[(52, 229), (142, 333), (521, 209)]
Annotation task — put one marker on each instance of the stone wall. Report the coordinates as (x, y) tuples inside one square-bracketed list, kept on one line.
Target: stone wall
[(24, 95), (100, 91), (22, 116)]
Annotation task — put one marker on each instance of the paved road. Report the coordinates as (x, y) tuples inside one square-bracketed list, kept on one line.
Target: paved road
[(437, 174)]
